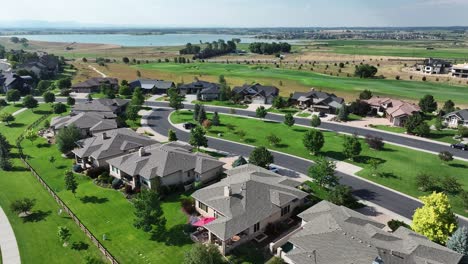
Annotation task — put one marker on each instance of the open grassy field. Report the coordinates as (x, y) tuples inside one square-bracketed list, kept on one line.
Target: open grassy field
[(106, 211), (405, 89), (398, 166), (36, 235)]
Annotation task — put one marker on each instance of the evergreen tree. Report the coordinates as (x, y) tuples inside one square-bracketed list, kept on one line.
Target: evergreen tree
[(149, 215), (365, 95), (196, 111), (137, 98), (428, 104), (70, 182), (215, 120), (458, 242), (172, 135), (70, 100), (449, 106), (261, 112), (343, 113), (239, 162), (201, 115), (175, 100), (289, 120)]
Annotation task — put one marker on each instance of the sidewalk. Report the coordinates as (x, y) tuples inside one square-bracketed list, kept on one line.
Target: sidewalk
[(8, 245)]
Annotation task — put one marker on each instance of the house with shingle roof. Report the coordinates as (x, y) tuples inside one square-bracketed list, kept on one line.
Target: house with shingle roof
[(244, 203), (94, 84), (339, 235), (317, 101), (456, 118), (103, 105), (98, 149), (204, 90), (165, 165), (396, 111), (88, 123), (256, 93), (11, 80), (152, 86), (45, 66)]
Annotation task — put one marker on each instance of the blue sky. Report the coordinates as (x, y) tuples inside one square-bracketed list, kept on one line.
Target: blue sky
[(241, 13)]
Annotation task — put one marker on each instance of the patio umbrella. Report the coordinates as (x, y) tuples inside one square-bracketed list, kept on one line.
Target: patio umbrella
[(204, 221)]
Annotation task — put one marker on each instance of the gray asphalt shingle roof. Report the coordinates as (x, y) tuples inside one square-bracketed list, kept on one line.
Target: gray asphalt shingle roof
[(161, 160), (336, 234), (256, 194), (86, 120), (256, 89), (149, 84), (462, 114), (116, 142), (100, 105)]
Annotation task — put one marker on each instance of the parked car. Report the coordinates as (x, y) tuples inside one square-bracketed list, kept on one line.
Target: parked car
[(459, 146), (77, 168), (273, 168), (322, 114), (189, 126)]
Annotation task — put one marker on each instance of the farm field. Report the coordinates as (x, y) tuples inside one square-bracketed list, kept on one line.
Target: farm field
[(406, 89), (395, 172)]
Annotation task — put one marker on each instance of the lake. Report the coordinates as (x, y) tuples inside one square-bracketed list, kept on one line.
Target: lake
[(140, 40)]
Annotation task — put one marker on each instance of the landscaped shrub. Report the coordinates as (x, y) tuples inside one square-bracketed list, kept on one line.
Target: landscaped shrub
[(3, 102), (445, 156), (93, 173), (188, 204), (395, 224), (426, 182), (462, 131), (450, 184), (375, 142), (117, 183)]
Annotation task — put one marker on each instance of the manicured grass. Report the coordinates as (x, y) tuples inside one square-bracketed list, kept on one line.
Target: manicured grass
[(445, 135), (162, 98), (221, 103), (398, 169), (303, 115), (11, 108), (387, 87), (287, 110), (36, 236), (353, 117), (106, 211)]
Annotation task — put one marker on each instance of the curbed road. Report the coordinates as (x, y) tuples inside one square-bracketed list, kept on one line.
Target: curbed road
[(393, 201)]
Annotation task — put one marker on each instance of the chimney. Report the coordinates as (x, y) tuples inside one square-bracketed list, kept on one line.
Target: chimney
[(104, 136), (141, 152), (227, 191)]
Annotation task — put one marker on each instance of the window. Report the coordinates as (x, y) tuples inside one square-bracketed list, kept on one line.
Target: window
[(285, 210), (202, 206), (115, 170), (216, 215), (256, 227)]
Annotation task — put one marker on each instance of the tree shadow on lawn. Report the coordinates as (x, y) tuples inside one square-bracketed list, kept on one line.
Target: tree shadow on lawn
[(93, 199), (15, 125), (333, 154), (300, 130), (249, 140), (43, 145), (78, 246), (42, 112), (366, 159), (281, 145), (61, 167), (18, 169), (36, 216), (388, 175), (175, 236), (460, 166)]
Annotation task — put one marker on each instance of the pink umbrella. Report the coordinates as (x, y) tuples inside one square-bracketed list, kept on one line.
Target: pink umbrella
[(203, 221)]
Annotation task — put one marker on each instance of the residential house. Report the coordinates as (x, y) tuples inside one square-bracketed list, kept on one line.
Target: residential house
[(93, 85), (243, 204), (338, 235), (256, 93), (460, 71), (434, 66), (103, 105), (205, 91), (317, 101), (456, 118), (10, 80), (97, 150), (165, 165), (45, 66), (89, 123), (152, 86), (396, 111)]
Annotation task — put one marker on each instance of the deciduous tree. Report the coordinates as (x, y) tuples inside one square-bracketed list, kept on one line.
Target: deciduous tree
[(435, 218), (66, 138), (315, 122), (175, 100), (13, 95), (261, 112), (198, 138), (172, 135), (70, 182), (64, 235), (203, 254), (261, 157), (365, 95), (273, 139), (313, 141), (7, 118), (48, 97), (351, 147), (70, 100), (323, 172), (29, 102), (59, 108), (289, 120), (23, 206), (137, 97), (342, 195)]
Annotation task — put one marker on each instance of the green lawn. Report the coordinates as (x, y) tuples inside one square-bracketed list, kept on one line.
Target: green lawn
[(353, 117), (11, 108), (221, 103), (106, 211), (399, 165), (387, 87), (445, 135), (303, 115), (283, 111), (36, 236)]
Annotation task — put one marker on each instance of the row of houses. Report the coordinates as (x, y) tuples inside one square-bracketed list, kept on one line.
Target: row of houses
[(439, 66), (243, 205)]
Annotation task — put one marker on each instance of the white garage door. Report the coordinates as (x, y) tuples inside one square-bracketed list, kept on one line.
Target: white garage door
[(258, 100)]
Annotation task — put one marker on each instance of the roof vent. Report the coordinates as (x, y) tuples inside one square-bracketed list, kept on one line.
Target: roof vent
[(141, 152), (227, 191), (104, 136)]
